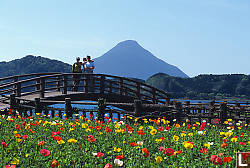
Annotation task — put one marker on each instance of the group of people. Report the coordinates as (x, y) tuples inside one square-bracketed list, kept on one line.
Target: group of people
[(86, 66)]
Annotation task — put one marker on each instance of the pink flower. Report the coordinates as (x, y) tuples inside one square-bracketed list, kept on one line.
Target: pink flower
[(4, 144), (108, 165), (160, 128), (99, 154), (162, 149), (12, 166), (45, 152), (215, 160), (25, 136)]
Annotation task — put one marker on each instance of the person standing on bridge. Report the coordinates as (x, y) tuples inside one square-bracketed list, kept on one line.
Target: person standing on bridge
[(89, 69), (76, 77)]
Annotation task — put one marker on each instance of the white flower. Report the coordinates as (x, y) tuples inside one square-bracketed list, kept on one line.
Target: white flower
[(31, 119), (121, 123), (140, 143), (238, 124), (204, 121), (174, 120), (229, 128), (210, 143), (208, 123), (240, 121), (200, 132), (95, 154), (53, 123), (118, 162)]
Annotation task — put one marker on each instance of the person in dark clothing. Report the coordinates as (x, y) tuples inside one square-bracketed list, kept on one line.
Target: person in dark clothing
[(76, 77)]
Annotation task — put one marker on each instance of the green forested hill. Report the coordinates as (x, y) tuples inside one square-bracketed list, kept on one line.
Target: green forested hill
[(32, 64), (203, 86)]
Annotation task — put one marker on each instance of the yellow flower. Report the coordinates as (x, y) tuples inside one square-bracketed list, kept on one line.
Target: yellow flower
[(124, 142), (183, 124), (15, 161), (117, 126), (15, 132), (163, 121), (136, 119), (248, 142), (190, 134), (177, 126), (230, 120), (72, 141), (167, 122), (84, 125), (71, 129), (158, 140), (182, 134), (158, 159), (70, 123), (193, 128), (60, 142), (100, 133), (207, 145), (151, 127), (228, 134), (239, 128), (81, 117), (175, 138), (88, 130), (141, 127), (222, 133), (198, 123), (27, 155), (117, 149), (188, 145), (225, 122), (234, 139), (19, 140), (153, 131)]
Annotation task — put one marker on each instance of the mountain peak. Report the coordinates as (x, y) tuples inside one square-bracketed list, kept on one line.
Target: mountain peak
[(129, 43)]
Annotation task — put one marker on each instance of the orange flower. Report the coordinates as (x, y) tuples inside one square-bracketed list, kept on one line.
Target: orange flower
[(41, 143), (62, 129), (17, 136), (133, 144), (54, 163), (224, 145)]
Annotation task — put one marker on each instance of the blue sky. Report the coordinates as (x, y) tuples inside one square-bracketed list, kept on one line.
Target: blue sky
[(198, 36)]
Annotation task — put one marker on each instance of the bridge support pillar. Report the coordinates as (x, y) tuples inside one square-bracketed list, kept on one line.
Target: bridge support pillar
[(68, 108), (101, 109), (38, 105), (13, 104), (138, 108)]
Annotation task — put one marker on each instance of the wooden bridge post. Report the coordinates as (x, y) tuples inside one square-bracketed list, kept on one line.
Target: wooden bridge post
[(68, 108), (15, 79), (65, 84), (42, 87), (178, 108), (38, 83), (138, 108), (58, 83), (154, 100), (102, 84), (120, 86), (211, 111), (101, 109), (38, 108), (13, 104), (187, 110), (138, 90), (223, 112)]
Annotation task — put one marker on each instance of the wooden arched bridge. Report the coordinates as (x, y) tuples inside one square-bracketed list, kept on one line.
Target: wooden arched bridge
[(34, 92)]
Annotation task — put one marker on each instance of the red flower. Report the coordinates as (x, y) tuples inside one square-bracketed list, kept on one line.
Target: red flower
[(25, 136), (224, 140), (57, 138), (45, 152), (133, 144), (140, 132), (167, 128), (145, 151), (41, 143), (227, 159), (202, 126), (119, 157), (204, 151), (189, 126), (169, 151), (245, 155), (108, 166), (4, 144), (99, 154), (160, 128), (54, 163), (242, 143), (216, 160)]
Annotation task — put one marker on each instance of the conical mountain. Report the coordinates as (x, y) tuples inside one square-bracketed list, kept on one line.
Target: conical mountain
[(129, 59)]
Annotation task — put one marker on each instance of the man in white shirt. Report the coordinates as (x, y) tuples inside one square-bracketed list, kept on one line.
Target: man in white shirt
[(89, 69)]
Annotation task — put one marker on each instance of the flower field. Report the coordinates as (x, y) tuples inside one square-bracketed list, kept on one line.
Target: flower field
[(40, 141)]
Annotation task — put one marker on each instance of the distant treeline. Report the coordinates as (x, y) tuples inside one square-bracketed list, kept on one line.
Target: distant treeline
[(236, 86)]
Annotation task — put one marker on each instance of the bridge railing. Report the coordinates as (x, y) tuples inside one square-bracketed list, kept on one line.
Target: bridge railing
[(62, 82)]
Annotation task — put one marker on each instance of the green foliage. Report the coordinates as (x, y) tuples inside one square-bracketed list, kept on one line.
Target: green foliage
[(32, 64), (204, 86)]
